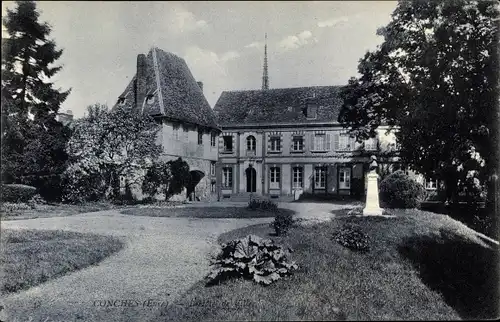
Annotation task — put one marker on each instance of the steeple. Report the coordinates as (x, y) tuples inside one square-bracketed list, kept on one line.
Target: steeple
[(265, 76)]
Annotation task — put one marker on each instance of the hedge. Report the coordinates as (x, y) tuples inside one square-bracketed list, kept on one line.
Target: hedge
[(17, 192)]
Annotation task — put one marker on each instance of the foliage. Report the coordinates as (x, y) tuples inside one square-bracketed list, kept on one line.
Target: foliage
[(398, 190), (282, 223), (180, 176), (107, 146), (434, 82), (168, 178), (352, 237), (262, 204), (253, 258), (33, 142), (17, 193)]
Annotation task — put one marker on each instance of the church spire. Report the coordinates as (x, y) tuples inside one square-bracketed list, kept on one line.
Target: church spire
[(265, 76)]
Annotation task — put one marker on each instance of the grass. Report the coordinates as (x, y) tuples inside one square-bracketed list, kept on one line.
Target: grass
[(31, 257), (207, 212), (53, 210), (420, 266)]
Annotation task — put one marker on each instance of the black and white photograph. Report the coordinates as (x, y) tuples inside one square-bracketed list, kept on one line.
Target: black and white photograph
[(250, 161)]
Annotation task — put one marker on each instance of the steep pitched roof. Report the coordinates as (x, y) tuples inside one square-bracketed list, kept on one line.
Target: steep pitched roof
[(281, 105), (171, 91)]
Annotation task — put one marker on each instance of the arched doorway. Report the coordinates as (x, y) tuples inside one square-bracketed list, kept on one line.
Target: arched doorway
[(251, 175), (195, 177)]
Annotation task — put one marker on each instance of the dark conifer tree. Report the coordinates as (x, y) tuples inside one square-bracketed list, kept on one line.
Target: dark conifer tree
[(33, 141)]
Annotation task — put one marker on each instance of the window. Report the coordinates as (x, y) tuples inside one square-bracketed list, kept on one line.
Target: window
[(319, 178), (319, 142), (212, 139), (150, 99), (186, 134), (274, 178), (228, 143), (345, 178), (176, 132), (371, 144), (200, 137), (251, 143), (431, 184), (298, 143), (344, 142), (212, 168), (227, 177), (212, 187), (312, 110), (298, 175), (275, 144)]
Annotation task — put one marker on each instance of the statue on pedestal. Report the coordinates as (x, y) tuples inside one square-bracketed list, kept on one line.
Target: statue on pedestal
[(372, 206), (373, 163)]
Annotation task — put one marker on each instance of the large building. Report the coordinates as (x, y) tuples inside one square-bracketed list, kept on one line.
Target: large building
[(164, 87), (285, 142)]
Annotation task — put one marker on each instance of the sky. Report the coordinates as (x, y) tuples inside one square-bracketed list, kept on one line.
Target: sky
[(310, 43)]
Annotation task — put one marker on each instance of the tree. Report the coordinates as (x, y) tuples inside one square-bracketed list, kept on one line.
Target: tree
[(32, 140), (434, 81), (107, 146)]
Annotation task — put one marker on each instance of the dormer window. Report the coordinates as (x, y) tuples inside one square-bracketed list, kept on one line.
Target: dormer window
[(312, 111), (121, 101), (150, 99)]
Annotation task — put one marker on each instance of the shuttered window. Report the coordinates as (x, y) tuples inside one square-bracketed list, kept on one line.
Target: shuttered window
[(321, 142)]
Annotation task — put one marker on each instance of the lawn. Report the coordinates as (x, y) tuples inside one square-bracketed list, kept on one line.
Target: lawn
[(206, 212), (420, 266), (31, 257), (23, 211)]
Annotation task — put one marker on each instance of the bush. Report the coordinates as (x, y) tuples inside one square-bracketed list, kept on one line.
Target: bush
[(17, 193), (398, 190), (169, 178), (253, 258), (352, 237), (261, 204), (282, 223)]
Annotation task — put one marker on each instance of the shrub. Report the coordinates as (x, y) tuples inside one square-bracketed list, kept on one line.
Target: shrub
[(253, 258), (169, 178), (352, 237), (262, 204), (17, 193), (283, 221), (398, 190)]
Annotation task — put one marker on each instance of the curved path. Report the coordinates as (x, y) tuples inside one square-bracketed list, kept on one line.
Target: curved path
[(163, 257)]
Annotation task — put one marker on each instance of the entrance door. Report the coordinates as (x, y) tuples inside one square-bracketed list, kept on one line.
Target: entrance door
[(251, 175), (345, 178)]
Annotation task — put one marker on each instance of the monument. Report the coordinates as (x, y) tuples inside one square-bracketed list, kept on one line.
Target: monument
[(372, 207)]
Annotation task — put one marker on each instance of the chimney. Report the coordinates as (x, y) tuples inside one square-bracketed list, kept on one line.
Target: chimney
[(140, 81), (201, 85)]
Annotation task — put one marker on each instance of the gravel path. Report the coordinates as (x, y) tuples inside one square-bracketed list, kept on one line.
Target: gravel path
[(162, 259)]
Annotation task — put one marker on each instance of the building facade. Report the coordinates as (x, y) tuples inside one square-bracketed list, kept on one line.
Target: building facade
[(164, 87), (282, 143)]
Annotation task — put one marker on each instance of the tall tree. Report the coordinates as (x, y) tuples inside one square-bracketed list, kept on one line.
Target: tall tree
[(33, 141), (107, 146), (434, 81)]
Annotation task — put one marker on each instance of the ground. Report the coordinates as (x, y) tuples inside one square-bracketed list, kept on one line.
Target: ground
[(163, 258)]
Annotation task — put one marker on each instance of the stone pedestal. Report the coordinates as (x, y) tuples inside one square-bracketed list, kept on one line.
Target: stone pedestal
[(372, 207)]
